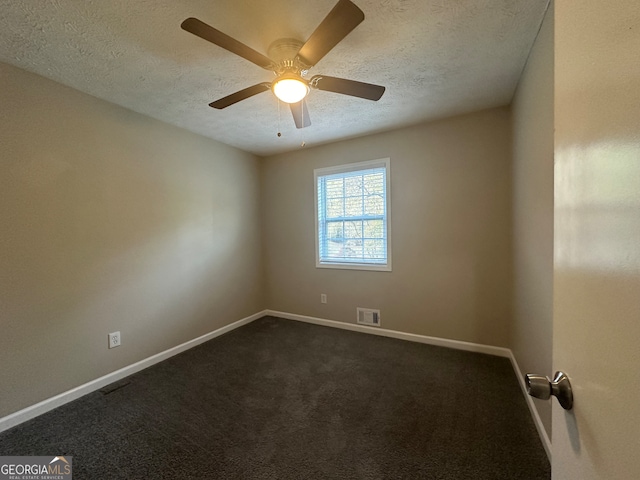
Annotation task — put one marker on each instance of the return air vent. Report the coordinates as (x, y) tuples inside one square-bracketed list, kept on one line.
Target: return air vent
[(367, 316)]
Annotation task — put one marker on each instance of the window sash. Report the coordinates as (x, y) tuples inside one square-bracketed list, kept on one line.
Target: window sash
[(352, 215)]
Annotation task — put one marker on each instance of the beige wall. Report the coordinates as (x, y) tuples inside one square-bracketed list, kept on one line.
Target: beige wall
[(532, 110), (451, 231), (112, 221)]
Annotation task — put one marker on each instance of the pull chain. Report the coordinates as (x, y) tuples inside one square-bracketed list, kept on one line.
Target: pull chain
[(302, 119), (279, 132)]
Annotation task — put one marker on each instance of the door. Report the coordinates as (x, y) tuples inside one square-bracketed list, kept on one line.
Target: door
[(597, 238)]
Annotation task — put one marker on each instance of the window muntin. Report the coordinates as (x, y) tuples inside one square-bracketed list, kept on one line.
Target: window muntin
[(352, 216)]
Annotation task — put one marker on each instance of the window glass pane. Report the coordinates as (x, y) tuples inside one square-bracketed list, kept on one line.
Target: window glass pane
[(352, 215), (335, 248), (353, 207), (352, 249), (374, 249), (335, 207), (374, 205), (335, 230), (353, 229), (373, 229), (353, 186), (374, 183), (335, 187)]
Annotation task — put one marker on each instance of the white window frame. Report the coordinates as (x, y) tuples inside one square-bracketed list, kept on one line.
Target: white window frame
[(351, 167)]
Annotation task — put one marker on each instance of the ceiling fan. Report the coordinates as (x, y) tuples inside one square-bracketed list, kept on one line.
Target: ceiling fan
[(290, 61)]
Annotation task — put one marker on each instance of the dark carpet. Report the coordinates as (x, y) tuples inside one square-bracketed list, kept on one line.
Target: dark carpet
[(279, 399)]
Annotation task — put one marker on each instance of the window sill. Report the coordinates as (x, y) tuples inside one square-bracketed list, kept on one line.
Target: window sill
[(355, 266)]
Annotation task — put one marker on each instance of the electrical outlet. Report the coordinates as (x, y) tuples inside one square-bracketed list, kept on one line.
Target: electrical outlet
[(114, 339), (323, 298)]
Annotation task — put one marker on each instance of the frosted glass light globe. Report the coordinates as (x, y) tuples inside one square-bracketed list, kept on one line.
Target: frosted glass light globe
[(290, 89)]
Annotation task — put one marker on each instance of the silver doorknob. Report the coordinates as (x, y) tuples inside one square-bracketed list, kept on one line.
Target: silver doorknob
[(539, 386)]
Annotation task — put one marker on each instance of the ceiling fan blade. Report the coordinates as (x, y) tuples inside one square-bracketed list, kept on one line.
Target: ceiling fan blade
[(344, 17), (241, 95), (202, 30), (347, 87), (300, 114)]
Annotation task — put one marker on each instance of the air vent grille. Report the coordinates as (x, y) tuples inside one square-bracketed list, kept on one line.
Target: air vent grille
[(368, 316)]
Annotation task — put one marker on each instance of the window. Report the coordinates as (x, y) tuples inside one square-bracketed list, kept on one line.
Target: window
[(352, 216)]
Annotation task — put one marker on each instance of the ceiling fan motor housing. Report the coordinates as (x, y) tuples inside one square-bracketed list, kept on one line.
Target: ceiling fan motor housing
[(284, 53)]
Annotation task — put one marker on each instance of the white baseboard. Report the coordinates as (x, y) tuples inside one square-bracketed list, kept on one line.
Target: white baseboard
[(441, 342), (412, 337), (542, 432), (49, 404)]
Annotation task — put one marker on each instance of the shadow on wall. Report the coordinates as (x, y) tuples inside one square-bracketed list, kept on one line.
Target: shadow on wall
[(113, 221)]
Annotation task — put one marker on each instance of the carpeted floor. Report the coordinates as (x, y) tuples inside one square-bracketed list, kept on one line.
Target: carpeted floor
[(278, 399)]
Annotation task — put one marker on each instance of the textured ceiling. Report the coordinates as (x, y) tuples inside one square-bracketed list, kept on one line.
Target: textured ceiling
[(436, 57)]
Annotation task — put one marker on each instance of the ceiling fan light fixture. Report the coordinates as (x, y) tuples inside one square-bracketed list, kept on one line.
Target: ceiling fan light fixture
[(290, 88)]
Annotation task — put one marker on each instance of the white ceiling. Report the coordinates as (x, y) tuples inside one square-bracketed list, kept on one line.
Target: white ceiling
[(437, 58)]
